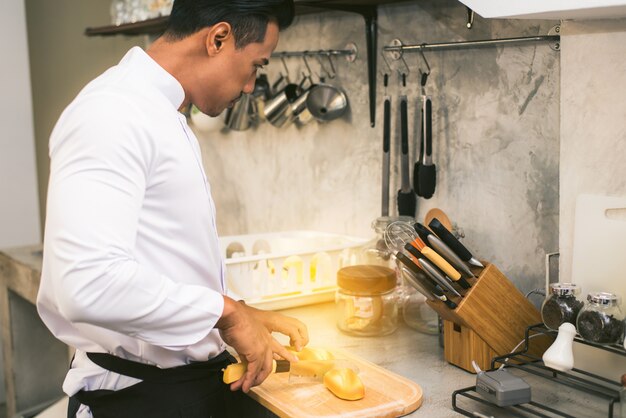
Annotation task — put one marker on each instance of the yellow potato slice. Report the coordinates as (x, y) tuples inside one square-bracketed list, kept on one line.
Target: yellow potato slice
[(345, 384)]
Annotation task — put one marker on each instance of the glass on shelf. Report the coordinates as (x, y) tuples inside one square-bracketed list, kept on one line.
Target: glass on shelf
[(601, 320)]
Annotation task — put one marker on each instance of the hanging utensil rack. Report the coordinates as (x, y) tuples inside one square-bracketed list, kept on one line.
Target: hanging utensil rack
[(350, 52), (397, 48), (580, 380)]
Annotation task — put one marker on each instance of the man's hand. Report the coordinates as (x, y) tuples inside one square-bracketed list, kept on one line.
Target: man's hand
[(248, 331)]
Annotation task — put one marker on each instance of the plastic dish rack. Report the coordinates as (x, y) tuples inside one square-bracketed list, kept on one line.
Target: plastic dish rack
[(286, 269)]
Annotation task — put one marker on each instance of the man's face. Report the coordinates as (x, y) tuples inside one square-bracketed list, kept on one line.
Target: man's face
[(236, 73)]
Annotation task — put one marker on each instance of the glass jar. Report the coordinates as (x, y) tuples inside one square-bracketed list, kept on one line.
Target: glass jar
[(417, 314), (601, 319), (366, 302), (561, 305)]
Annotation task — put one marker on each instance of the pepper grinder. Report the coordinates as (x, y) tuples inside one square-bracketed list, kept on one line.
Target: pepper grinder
[(560, 355)]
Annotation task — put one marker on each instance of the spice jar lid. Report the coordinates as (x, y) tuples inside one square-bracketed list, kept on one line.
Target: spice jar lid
[(564, 289), (603, 298), (369, 279)]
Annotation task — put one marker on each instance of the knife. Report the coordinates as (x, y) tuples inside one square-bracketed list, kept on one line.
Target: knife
[(425, 281), (433, 272), (443, 250), (456, 246), (439, 261), (436, 275), (299, 371)]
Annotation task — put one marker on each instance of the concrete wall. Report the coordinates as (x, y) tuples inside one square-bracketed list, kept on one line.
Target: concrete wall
[(496, 141), (62, 61), (19, 210), (593, 118)]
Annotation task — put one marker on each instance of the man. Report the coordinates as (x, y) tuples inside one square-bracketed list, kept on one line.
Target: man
[(133, 277)]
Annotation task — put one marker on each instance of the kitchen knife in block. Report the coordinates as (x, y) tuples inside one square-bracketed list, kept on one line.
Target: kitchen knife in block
[(497, 312), (406, 198), (451, 241), (443, 250), (299, 371), (425, 281)]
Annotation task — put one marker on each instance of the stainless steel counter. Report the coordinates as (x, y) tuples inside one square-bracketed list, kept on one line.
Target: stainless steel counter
[(406, 352)]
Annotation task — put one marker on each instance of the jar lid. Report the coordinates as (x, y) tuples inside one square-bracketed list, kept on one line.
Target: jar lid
[(564, 289), (370, 279), (603, 298)]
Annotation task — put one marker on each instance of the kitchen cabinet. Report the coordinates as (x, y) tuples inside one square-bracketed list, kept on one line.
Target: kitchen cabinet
[(554, 9)]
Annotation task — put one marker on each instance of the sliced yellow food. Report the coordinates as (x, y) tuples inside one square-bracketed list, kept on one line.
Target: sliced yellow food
[(345, 384)]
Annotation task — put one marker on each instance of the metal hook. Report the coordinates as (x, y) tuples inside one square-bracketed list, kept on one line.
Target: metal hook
[(306, 63), (470, 18), (322, 68), (282, 59), (424, 75), (332, 66), (385, 59), (403, 76)]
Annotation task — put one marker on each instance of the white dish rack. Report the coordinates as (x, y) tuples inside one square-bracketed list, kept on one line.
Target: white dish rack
[(286, 269)]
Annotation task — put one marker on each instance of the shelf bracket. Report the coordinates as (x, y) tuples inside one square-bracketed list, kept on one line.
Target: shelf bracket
[(370, 14)]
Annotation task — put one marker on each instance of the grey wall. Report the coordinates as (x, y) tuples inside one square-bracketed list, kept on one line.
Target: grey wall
[(62, 61), (496, 140)]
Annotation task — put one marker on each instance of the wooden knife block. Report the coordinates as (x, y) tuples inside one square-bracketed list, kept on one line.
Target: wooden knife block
[(490, 320)]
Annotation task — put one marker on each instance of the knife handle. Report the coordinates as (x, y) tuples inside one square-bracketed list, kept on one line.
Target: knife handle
[(447, 253), (441, 263), (447, 237), (437, 276)]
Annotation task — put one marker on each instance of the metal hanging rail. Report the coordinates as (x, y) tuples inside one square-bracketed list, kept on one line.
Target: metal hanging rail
[(397, 48), (350, 53)]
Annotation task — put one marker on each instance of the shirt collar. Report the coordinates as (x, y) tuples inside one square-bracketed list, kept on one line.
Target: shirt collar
[(155, 75)]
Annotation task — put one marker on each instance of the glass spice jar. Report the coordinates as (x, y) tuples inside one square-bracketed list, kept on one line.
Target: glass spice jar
[(366, 302), (561, 305), (601, 319)]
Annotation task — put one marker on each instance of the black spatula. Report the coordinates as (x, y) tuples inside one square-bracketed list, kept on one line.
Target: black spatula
[(406, 196), (425, 171)]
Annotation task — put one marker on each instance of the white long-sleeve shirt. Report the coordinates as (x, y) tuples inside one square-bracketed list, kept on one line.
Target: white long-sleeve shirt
[(132, 264)]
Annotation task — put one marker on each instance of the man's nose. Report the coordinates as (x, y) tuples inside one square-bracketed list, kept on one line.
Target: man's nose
[(249, 87)]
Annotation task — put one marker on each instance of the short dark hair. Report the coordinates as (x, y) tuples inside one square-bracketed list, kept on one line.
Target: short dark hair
[(248, 18)]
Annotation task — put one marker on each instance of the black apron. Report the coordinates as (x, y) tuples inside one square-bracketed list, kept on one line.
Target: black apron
[(194, 390)]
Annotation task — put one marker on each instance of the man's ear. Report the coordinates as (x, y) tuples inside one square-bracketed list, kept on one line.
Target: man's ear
[(217, 37)]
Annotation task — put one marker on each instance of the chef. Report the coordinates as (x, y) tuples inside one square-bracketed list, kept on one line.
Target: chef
[(133, 277)]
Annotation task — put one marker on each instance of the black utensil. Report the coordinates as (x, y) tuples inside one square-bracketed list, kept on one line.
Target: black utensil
[(406, 197), (425, 176), (450, 240), (386, 151)]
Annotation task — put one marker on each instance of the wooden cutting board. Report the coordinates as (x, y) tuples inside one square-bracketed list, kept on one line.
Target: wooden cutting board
[(386, 395)]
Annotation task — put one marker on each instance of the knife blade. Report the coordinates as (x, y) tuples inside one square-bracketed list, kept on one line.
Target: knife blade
[(443, 250), (424, 280), (435, 273), (299, 371), (456, 246)]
